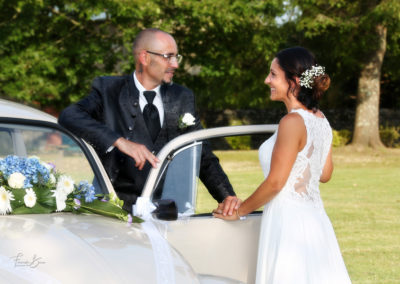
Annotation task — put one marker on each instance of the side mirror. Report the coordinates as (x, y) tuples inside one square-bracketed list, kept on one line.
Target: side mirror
[(166, 209)]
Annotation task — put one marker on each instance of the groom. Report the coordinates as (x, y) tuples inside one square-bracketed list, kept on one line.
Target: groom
[(128, 119)]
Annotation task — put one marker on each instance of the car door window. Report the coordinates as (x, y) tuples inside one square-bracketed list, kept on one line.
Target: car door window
[(180, 179), (50, 146)]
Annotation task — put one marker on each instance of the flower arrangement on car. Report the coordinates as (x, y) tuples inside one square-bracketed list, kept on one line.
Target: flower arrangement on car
[(30, 186)]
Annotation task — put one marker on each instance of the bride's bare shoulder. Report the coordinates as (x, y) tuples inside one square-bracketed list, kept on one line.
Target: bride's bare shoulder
[(291, 121)]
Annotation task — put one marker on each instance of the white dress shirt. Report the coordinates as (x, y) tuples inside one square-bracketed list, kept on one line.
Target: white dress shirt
[(157, 99), (143, 102)]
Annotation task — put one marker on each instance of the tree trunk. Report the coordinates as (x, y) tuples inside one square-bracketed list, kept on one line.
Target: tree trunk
[(366, 128)]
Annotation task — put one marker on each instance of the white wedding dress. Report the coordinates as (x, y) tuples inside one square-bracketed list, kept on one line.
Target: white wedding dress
[(297, 243)]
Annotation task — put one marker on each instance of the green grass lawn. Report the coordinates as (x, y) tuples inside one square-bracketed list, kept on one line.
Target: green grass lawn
[(362, 200)]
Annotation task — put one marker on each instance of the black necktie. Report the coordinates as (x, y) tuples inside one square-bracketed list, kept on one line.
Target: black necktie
[(151, 116)]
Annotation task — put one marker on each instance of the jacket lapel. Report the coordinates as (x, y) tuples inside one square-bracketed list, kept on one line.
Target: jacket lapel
[(138, 131), (170, 111)]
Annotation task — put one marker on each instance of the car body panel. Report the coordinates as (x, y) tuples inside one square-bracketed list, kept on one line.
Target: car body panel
[(94, 249), (216, 247)]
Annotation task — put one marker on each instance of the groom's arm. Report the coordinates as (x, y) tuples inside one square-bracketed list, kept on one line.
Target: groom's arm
[(213, 176), (217, 182), (86, 119)]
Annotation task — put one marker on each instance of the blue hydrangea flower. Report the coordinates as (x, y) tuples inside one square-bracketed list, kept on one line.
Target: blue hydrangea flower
[(31, 168), (88, 190)]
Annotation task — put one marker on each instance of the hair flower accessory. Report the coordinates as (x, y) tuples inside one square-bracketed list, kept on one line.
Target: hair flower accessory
[(186, 120), (307, 77)]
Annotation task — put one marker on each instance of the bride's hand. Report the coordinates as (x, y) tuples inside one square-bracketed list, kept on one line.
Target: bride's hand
[(232, 217)]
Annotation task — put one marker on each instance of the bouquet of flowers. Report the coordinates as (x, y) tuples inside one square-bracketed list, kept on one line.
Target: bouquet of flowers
[(28, 185)]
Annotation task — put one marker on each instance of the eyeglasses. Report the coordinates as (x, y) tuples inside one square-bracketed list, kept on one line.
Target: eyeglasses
[(169, 57)]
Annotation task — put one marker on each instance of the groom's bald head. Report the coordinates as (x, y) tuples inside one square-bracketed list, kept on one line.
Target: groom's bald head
[(147, 39)]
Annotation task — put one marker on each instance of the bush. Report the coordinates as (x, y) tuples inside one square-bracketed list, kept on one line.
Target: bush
[(238, 142), (390, 136), (341, 137)]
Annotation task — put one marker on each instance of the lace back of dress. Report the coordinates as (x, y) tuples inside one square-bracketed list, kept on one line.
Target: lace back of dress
[(304, 178)]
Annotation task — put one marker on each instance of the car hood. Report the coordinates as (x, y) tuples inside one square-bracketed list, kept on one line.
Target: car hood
[(64, 247)]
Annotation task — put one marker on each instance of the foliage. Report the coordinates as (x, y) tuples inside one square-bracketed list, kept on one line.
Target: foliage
[(363, 28), (239, 142), (51, 50), (227, 46), (342, 35), (341, 137), (30, 186), (390, 136)]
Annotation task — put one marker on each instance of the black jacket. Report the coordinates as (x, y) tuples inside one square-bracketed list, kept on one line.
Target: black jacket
[(112, 110)]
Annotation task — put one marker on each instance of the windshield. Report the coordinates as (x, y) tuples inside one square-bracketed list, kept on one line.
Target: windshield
[(48, 145)]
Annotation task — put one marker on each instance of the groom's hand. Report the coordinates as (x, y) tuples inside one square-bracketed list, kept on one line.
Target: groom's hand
[(226, 217), (138, 152), (228, 206)]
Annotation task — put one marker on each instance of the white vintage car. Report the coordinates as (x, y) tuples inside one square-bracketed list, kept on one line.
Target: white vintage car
[(63, 247)]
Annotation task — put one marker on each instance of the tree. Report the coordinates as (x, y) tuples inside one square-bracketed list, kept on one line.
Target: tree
[(228, 46), (357, 35), (50, 50)]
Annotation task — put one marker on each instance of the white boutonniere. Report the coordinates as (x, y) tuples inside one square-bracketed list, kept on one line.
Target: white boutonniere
[(186, 120)]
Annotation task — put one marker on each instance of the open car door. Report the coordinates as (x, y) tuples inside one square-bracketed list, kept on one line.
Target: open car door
[(212, 246)]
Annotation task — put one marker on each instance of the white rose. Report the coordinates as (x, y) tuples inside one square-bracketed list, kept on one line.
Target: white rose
[(16, 180), (188, 119), (30, 198)]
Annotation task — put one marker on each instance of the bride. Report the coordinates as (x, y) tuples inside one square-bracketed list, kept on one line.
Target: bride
[(297, 243)]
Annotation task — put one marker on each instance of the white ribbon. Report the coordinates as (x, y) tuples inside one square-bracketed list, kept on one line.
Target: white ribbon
[(161, 248), (143, 208)]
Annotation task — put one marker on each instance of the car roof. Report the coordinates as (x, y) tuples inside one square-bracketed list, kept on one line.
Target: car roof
[(11, 109)]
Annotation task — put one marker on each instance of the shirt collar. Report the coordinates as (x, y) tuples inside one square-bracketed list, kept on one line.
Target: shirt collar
[(140, 87)]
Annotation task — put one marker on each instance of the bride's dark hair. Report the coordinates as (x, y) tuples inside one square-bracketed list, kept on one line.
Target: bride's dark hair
[(294, 61)]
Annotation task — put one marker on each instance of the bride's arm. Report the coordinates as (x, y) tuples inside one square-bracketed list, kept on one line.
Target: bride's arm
[(290, 140), (328, 168)]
